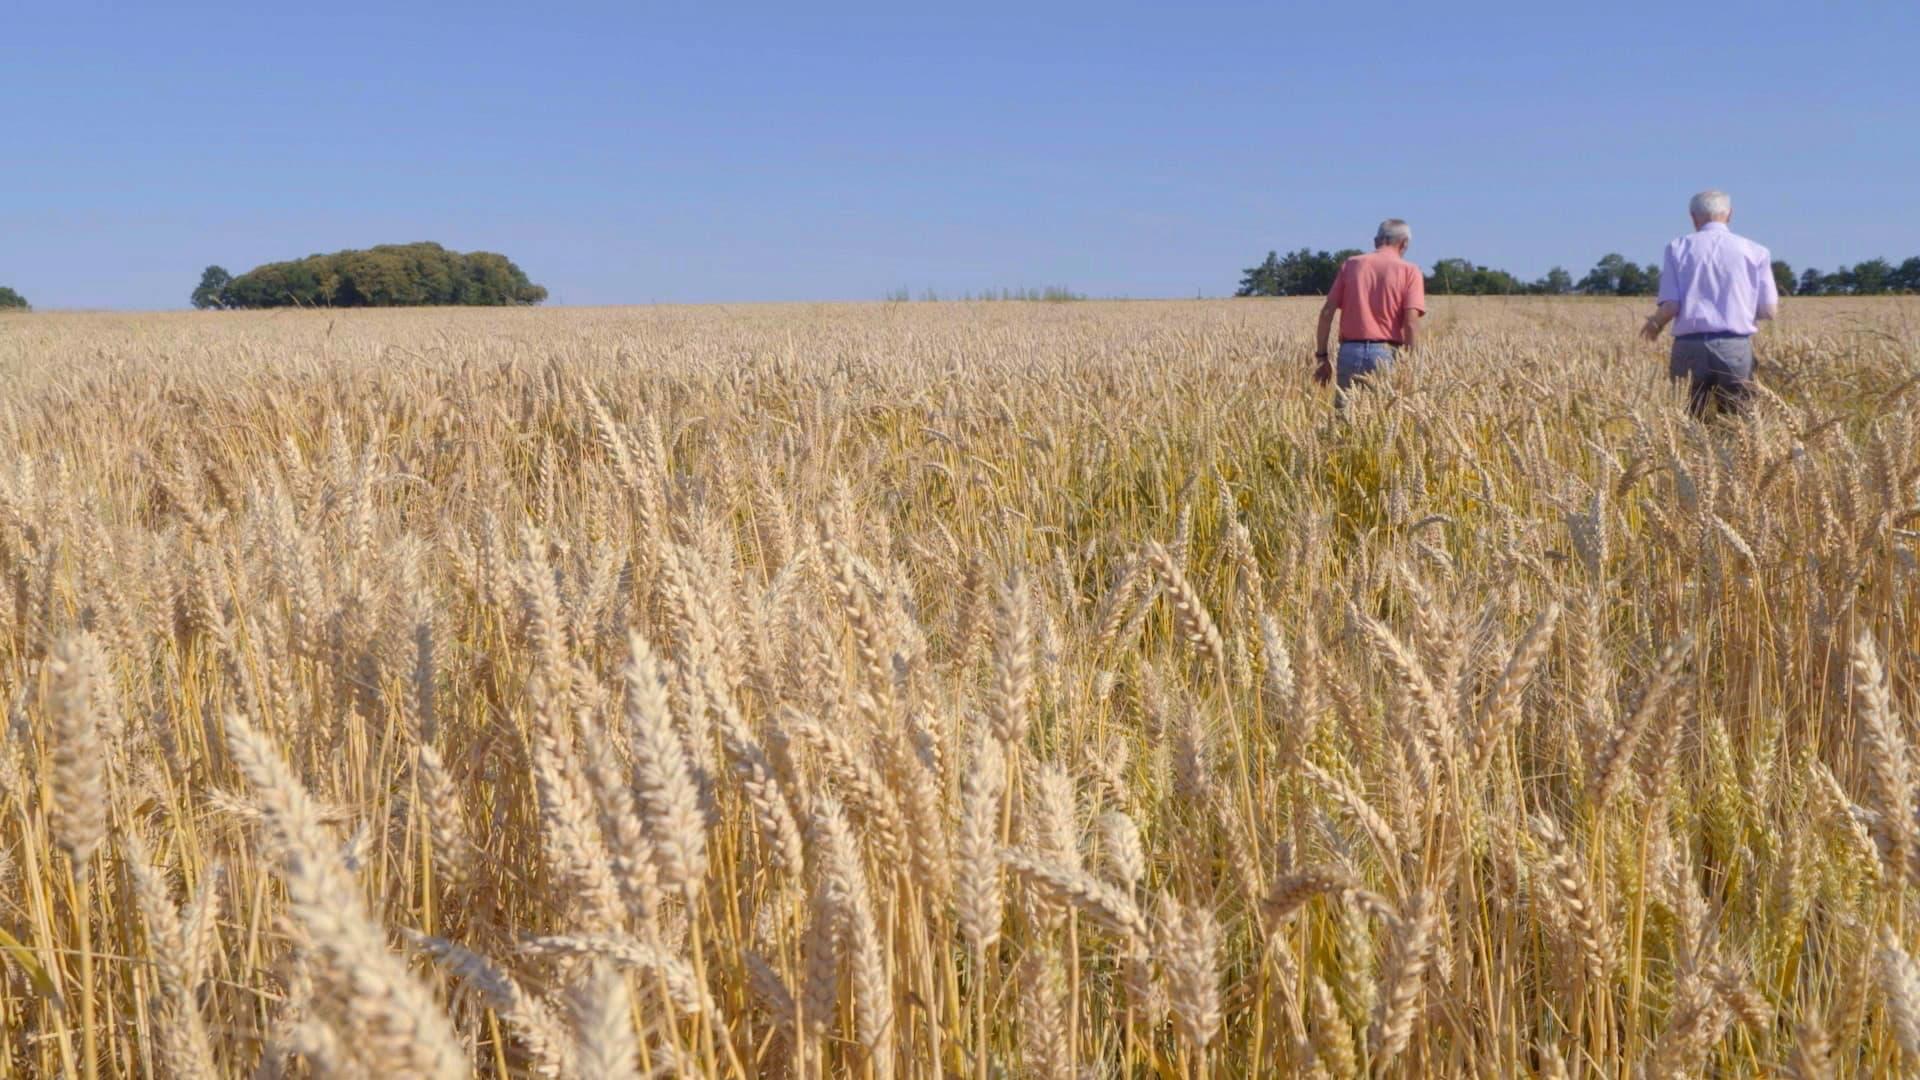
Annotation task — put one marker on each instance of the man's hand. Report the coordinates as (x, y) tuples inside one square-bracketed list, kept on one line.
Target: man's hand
[(1323, 368), (1656, 322)]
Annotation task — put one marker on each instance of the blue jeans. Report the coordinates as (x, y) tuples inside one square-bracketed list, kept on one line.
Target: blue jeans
[(1360, 359)]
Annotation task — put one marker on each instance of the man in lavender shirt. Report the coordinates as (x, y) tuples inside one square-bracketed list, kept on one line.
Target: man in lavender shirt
[(1714, 288)]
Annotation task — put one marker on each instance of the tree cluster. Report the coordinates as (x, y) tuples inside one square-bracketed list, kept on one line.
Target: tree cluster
[(1047, 294), (1299, 273), (13, 301), (390, 275), (1310, 273), (1871, 278), (1461, 277), (1617, 275)]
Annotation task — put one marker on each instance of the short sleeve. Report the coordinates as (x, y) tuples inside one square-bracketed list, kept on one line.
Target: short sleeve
[(1765, 287), (1669, 277), (1337, 292), (1416, 290)]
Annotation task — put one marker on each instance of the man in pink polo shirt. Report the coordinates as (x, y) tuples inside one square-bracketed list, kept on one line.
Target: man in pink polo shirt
[(1380, 298), (1715, 288)]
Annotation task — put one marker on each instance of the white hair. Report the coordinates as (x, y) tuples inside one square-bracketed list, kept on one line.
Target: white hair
[(1392, 231), (1709, 205)]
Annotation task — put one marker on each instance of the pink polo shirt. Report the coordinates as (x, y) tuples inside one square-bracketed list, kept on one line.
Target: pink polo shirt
[(1372, 291)]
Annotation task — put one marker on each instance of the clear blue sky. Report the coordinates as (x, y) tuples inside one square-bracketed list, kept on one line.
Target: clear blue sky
[(629, 152)]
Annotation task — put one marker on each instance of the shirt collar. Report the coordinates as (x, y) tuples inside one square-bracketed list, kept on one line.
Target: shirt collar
[(1714, 225)]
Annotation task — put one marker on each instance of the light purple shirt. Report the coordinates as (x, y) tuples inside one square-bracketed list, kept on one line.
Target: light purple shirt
[(1721, 282)]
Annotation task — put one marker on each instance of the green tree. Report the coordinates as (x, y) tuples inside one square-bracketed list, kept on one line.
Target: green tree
[(13, 301), (1557, 282), (1812, 283), (389, 275), (1616, 275), (1782, 277), (1450, 276), (1604, 278), (1906, 277), (1465, 278), (1300, 273), (1872, 277), (212, 290), (1261, 280)]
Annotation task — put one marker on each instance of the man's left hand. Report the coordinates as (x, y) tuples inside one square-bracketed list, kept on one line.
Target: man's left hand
[(1323, 371), (1652, 327)]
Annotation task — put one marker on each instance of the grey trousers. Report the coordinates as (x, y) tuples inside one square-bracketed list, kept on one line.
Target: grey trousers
[(1718, 369)]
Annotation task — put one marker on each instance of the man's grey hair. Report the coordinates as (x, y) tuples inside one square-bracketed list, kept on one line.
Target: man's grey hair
[(1391, 231), (1709, 205)]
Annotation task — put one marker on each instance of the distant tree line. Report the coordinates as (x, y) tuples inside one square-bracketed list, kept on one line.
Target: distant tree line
[(390, 275), (1297, 273), (1311, 273), (13, 301), (1050, 294), (1871, 278)]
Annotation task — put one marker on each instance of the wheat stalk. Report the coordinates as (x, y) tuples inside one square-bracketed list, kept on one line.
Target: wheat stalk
[(394, 1020)]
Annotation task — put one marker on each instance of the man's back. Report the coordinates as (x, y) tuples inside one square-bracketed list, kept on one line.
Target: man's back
[(1719, 280), (1373, 293)]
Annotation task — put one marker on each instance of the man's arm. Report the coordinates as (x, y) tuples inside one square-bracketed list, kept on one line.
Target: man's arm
[(1413, 310), (1658, 321), (1336, 295), (1769, 290), (1322, 364), (1668, 303)]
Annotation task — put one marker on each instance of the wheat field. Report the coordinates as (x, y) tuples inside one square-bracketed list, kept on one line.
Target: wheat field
[(986, 690)]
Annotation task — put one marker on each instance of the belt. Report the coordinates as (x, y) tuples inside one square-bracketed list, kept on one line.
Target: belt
[(1711, 335), (1369, 341)]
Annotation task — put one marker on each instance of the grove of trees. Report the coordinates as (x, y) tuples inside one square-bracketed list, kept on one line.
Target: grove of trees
[(1460, 277), (1616, 275), (1310, 273), (1870, 278), (13, 301), (1299, 273), (389, 275)]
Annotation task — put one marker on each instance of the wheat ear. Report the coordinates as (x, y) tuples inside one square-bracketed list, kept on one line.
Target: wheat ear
[(396, 1023)]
